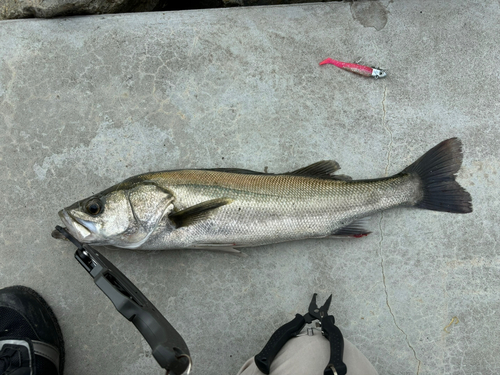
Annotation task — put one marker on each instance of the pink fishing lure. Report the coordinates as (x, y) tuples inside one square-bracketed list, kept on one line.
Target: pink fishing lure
[(356, 68)]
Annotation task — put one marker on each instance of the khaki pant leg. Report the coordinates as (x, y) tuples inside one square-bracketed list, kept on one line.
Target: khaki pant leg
[(309, 355)]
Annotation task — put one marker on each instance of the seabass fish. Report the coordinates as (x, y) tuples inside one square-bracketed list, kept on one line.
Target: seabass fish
[(231, 208)]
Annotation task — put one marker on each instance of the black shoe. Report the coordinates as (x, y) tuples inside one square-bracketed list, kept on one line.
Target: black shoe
[(31, 341)]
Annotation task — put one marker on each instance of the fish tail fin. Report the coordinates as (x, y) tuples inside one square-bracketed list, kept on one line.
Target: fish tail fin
[(437, 170)]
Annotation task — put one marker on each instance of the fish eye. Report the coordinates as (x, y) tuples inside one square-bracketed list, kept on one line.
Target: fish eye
[(94, 206)]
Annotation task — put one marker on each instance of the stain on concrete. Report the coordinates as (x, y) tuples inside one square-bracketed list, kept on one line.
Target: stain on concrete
[(370, 13)]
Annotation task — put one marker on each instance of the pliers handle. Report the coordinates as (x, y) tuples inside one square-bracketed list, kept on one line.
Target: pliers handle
[(332, 333), (168, 347), (336, 365), (279, 338)]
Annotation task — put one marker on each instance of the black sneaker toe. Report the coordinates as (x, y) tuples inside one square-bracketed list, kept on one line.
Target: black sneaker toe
[(27, 323)]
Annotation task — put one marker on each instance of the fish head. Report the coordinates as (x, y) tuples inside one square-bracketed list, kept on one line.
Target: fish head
[(124, 215)]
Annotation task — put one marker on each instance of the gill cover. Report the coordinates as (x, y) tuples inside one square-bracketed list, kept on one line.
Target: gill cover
[(149, 203)]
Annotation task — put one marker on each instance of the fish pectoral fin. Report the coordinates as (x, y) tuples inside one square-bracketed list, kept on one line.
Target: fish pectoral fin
[(197, 212), (322, 169), (226, 248), (355, 229)]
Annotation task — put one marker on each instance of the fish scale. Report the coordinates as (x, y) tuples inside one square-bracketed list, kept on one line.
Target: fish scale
[(276, 208)]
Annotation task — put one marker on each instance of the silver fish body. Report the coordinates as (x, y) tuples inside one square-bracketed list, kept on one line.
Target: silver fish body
[(227, 209)]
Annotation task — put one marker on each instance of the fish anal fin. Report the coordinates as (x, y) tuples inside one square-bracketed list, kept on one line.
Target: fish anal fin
[(197, 212), (322, 169), (356, 229)]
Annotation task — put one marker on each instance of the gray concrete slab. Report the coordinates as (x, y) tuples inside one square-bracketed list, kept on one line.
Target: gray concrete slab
[(88, 101)]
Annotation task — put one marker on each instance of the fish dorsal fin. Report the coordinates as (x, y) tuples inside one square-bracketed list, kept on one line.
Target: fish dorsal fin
[(321, 169), (342, 177), (197, 212), (235, 170)]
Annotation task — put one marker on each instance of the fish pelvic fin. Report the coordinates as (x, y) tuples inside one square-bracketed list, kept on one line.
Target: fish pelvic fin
[(222, 247), (197, 212), (437, 170)]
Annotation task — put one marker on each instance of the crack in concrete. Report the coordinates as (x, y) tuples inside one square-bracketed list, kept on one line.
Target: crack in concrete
[(384, 123), (387, 295), (382, 237)]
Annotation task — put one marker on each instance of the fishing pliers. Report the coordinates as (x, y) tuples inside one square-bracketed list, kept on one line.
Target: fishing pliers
[(168, 347), (291, 329)]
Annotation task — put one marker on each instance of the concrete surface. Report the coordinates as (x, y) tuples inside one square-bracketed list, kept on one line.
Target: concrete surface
[(88, 101)]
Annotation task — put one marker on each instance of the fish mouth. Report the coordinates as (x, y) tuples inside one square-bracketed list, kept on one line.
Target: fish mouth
[(76, 227)]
